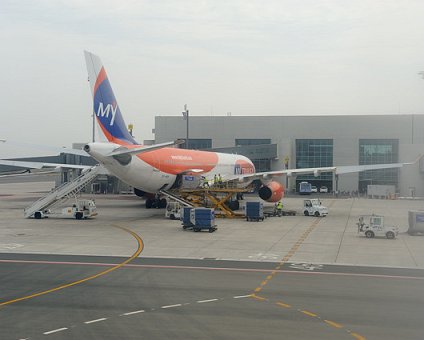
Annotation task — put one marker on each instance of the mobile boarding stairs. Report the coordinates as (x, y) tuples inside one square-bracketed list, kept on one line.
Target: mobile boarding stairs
[(65, 191)]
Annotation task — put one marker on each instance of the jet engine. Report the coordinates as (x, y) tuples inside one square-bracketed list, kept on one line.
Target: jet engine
[(271, 191)]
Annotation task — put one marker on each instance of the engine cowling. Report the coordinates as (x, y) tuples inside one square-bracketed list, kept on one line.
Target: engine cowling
[(271, 192)]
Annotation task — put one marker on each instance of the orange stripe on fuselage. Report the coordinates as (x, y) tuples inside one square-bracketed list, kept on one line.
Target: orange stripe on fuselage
[(175, 161), (171, 160)]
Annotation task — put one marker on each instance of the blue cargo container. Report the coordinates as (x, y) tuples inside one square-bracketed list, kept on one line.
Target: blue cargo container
[(185, 217), (203, 218), (254, 211)]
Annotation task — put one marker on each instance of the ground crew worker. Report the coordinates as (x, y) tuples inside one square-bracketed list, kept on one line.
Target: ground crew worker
[(279, 207), (205, 182), (219, 180), (215, 180)]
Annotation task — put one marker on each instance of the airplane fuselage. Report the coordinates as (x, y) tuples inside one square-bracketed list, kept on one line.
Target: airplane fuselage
[(158, 169)]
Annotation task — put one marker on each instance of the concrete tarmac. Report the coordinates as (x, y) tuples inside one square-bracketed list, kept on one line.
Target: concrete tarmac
[(205, 299), (332, 240), (292, 277)]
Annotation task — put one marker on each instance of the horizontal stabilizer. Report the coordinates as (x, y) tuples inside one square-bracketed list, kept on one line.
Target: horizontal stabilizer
[(134, 151)]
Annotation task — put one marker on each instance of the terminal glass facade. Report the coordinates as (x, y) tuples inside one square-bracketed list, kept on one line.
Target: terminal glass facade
[(260, 154), (313, 153), (262, 165), (252, 141), (198, 143), (378, 151)]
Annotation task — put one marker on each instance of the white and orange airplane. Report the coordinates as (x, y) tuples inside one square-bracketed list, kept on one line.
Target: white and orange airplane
[(149, 169)]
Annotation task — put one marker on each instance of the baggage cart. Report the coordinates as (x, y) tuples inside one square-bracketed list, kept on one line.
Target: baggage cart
[(254, 211)]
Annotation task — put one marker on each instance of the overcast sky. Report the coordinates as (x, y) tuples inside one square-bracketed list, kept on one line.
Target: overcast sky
[(301, 57)]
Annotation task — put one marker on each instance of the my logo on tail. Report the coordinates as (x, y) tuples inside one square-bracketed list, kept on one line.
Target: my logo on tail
[(101, 111)]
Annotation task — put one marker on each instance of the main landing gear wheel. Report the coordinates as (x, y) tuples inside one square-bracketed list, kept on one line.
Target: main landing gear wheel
[(162, 203), (155, 203), (149, 203)]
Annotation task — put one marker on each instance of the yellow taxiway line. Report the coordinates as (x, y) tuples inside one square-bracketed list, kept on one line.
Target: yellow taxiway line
[(107, 271)]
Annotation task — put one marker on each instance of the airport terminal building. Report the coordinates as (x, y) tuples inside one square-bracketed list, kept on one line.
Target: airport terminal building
[(277, 142)]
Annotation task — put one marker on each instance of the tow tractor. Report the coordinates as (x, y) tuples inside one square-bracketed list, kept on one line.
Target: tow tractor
[(173, 210), (373, 225), (313, 207)]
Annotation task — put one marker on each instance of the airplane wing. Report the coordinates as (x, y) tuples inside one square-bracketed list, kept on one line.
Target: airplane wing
[(27, 173), (286, 172), (338, 170), (358, 168), (47, 148), (42, 165)]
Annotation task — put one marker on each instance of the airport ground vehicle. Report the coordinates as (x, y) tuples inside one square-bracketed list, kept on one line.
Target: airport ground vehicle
[(373, 225), (173, 210), (81, 209), (313, 207), (314, 188), (323, 189), (305, 188)]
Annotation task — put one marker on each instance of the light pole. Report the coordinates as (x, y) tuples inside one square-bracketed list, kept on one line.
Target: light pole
[(286, 165), (421, 74), (185, 115)]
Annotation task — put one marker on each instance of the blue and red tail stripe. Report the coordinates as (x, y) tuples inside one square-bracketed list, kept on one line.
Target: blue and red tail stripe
[(107, 112)]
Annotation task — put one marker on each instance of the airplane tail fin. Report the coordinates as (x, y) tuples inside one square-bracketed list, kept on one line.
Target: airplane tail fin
[(109, 121)]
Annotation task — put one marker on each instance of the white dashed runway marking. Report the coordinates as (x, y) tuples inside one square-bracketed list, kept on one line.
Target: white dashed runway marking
[(135, 312), (171, 306), (93, 321), (55, 331), (204, 301), (143, 311)]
